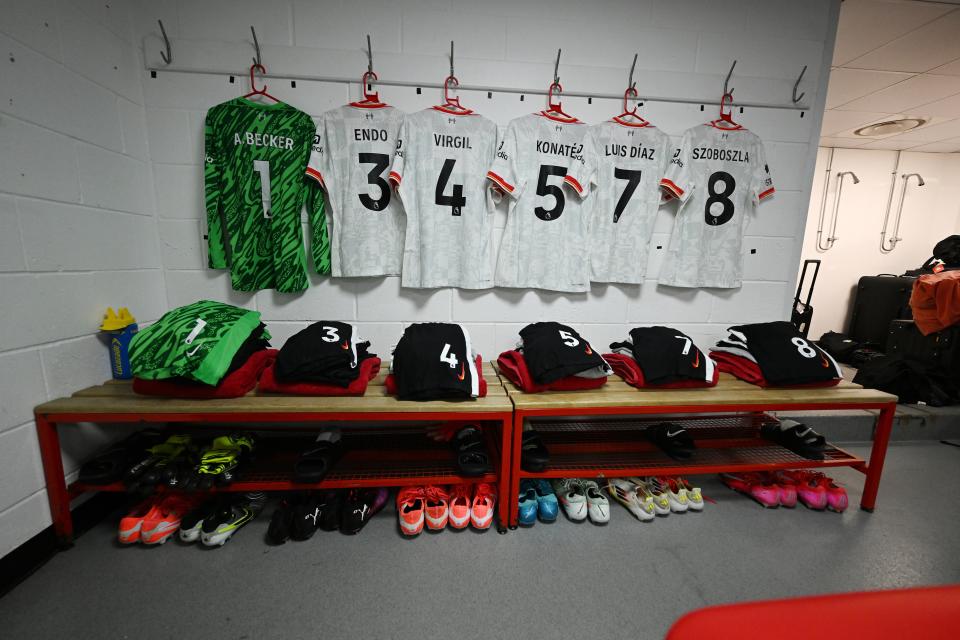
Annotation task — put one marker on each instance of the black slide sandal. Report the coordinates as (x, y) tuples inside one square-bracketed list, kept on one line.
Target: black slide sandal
[(534, 456), (315, 464), (797, 437), (672, 439), (472, 457), (112, 464)]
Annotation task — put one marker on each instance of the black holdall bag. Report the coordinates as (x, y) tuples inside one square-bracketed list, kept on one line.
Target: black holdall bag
[(940, 350)]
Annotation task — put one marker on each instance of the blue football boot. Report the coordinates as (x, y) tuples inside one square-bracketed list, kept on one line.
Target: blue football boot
[(527, 512), (548, 508)]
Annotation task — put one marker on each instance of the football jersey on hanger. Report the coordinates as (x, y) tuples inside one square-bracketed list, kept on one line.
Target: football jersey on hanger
[(352, 153), (439, 168), (720, 176), (546, 242), (255, 155), (624, 161)]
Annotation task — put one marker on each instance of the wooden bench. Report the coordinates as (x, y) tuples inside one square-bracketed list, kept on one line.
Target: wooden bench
[(725, 420), (421, 462)]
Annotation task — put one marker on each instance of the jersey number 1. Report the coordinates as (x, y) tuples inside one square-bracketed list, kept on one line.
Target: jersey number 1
[(263, 168), (380, 162), (456, 202)]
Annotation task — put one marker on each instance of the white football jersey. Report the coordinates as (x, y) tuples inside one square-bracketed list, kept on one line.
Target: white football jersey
[(624, 161), (546, 240), (352, 153), (440, 166), (720, 176)]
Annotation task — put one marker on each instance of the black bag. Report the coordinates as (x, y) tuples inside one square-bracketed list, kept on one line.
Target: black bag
[(879, 300), (940, 350), (910, 381), (946, 251), (840, 346)]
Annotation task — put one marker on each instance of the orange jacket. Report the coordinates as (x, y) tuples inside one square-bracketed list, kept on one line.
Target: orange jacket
[(935, 301)]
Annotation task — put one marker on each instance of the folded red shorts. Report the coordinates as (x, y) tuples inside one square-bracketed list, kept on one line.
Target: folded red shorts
[(628, 369), (748, 371), (514, 367), (236, 384), (391, 382), (369, 368)]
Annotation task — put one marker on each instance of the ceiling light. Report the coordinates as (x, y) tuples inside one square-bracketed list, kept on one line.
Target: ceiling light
[(890, 127)]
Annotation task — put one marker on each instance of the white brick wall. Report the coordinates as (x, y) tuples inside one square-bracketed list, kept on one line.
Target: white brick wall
[(77, 225), (101, 181)]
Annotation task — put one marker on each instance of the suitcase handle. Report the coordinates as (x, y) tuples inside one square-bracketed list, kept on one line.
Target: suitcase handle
[(803, 277)]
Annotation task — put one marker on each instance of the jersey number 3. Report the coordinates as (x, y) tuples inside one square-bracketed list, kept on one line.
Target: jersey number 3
[(380, 162), (719, 207), (456, 202)]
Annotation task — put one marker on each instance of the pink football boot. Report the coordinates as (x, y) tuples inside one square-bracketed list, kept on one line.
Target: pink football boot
[(753, 485)]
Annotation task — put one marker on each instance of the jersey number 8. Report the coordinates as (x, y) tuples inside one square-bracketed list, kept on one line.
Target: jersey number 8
[(803, 347), (719, 207)]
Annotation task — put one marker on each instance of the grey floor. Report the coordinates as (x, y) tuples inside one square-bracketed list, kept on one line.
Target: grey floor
[(625, 580)]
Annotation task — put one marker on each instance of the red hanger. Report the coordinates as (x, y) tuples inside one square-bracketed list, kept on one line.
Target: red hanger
[(555, 107), (641, 121), (728, 116), (370, 99), (253, 85), (452, 103)]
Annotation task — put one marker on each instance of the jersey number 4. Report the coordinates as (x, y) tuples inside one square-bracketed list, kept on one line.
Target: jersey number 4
[(456, 202), (719, 207), (380, 162), (545, 189)]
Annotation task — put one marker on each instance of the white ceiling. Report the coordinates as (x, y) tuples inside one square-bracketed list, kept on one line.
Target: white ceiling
[(895, 59)]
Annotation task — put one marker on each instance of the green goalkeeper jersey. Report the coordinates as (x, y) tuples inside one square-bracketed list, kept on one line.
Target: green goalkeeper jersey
[(255, 190), (196, 341)]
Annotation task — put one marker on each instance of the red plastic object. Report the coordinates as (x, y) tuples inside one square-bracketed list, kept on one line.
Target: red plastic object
[(931, 613)]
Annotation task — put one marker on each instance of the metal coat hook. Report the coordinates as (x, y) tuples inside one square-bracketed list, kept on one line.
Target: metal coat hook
[(726, 82), (168, 56), (556, 69), (256, 45), (630, 83), (369, 55), (796, 85)]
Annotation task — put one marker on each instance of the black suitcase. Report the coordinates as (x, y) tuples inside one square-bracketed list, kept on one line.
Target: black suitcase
[(940, 349), (879, 300)]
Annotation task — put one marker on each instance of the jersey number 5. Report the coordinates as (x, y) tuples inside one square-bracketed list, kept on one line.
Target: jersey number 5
[(719, 207), (456, 202), (544, 189), (380, 162)]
